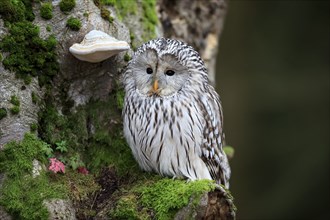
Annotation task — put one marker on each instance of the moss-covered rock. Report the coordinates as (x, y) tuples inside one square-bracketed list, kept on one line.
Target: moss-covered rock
[(3, 113), (16, 105), (13, 11), (29, 55), (67, 5), (46, 10), (14, 110), (159, 198), (21, 194), (73, 23), (14, 100)]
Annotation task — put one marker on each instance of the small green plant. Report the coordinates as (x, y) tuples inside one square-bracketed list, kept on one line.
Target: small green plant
[(3, 113), (127, 57), (73, 23), (61, 146), (75, 161), (47, 150), (14, 100), (48, 28), (15, 110), (67, 5), (46, 10)]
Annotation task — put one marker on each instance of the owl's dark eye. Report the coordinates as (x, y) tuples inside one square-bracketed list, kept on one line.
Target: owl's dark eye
[(169, 72), (149, 70)]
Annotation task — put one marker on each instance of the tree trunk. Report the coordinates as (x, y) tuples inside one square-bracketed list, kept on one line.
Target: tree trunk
[(80, 107)]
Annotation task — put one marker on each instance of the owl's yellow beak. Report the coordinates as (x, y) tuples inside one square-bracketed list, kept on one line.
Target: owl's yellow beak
[(155, 86), (154, 90)]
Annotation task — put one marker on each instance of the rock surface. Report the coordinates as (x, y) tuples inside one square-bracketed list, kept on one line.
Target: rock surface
[(60, 209), (14, 126)]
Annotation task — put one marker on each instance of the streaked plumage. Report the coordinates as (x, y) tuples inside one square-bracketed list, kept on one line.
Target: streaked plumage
[(173, 120)]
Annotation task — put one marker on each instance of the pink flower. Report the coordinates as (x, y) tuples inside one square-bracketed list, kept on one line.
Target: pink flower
[(56, 165), (82, 170)]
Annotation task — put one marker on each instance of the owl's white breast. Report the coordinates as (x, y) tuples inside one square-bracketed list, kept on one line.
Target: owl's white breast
[(165, 135)]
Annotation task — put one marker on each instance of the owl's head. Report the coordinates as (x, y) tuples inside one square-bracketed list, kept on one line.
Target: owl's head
[(163, 67)]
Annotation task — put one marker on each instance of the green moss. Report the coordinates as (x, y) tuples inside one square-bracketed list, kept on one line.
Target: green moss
[(123, 8), (22, 195), (128, 208), (149, 19), (80, 186), (48, 28), (127, 57), (167, 195), (15, 110), (73, 23), (105, 13), (131, 35), (17, 157), (120, 98), (107, 145), (29, 55), (161, 196), (33, 127), (14, 100), (55, 128), (111, 150), (34, 98), (3, 113), (14, 11), (67, 5), (46, 10)]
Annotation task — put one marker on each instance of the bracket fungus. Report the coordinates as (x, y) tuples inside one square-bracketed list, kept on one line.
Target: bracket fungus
[(97, 46)]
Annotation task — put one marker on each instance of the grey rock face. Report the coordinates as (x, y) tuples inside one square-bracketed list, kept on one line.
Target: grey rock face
[(14, 126), (60, 209)]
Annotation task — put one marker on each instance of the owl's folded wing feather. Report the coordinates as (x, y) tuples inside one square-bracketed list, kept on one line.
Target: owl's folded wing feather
[(213, 140)]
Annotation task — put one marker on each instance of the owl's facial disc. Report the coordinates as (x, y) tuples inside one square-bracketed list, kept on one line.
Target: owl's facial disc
[(158, 75)]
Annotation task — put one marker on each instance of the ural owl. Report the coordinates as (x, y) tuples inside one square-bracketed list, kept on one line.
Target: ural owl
[(173, 118)]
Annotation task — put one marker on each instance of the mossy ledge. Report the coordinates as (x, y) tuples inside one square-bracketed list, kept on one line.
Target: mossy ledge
[(16, 162), (159, 198)]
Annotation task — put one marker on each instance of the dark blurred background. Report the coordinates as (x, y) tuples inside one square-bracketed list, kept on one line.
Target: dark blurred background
[(273, 78)]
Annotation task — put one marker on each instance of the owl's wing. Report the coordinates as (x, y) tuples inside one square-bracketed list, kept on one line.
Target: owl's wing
[(213, 137)]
